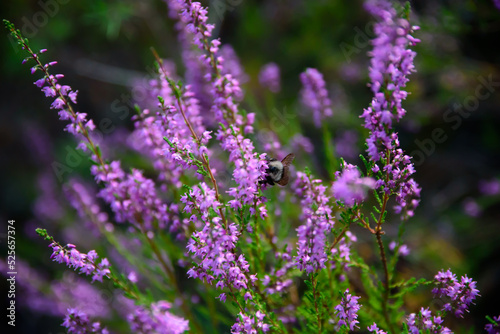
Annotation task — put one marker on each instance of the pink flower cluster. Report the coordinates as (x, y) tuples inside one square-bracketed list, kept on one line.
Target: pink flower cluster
[(86, 263), (347, 310), (156, 319), (459, 294), (349, 187), (424, 321), (315, 96), (318, 220), (391, 64)]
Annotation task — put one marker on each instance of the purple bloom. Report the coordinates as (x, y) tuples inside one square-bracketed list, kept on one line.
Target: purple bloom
[(425, 322), (402, 250), (315, 96), (459, 294), (391, 63), (317, 217), (84, 202), (347, 310), (152, 128), (133, 198), (471, 208), (493, 328), (349, 187), (345, 145), (342, 251), (375, 330), (497, 3), (489, 187), (78, 322), (87, 263), (250, 167), (250, 324), (299, 142), (215, 244), (278, 281), (156, 320), (269, 77), (232, 65)]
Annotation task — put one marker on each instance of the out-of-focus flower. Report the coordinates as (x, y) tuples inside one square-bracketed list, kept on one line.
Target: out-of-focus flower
[(471, 208), (157, 320), (77, 322), (346, 145), (315, 96), (489, 187), (349, 187), (269, 77), (403, 250)]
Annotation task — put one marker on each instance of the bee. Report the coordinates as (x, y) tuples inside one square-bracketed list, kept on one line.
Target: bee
[(278, 171)]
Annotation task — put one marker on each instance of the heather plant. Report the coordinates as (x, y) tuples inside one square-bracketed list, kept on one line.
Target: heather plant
[(206, 245)]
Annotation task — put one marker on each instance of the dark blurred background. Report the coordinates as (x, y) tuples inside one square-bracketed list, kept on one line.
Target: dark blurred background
[(451, 129)]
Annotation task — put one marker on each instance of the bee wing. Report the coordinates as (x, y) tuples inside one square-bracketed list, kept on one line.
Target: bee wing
[(287, 161), (284, 178)]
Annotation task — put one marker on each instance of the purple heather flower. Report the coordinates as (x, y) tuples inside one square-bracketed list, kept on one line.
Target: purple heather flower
[(48, 205), (78, 322), (62, 95), (375, 330), (471, 208), (315, 96), (489, 187), (72, 290), (391, 63), (232, 65), (271, 144), (299, 142), (215, 244), (80, 198), (278, 280), (132, 197), (345, 145), (493, 328), (250, 324), (317, 218), (152, 128), (347, 310), (349, 187), (342, 251), (425, 322), (269, 77), (156, 320), (87, 263), (250, 167), (460, 294), (403, 250), (222, 297)]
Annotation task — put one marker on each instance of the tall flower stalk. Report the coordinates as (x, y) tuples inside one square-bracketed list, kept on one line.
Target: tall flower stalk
[(223, 258)]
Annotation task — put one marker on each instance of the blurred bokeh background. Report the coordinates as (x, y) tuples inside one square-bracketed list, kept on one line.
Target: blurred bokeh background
[(103, 47)]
